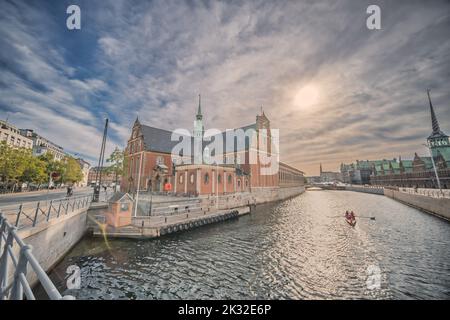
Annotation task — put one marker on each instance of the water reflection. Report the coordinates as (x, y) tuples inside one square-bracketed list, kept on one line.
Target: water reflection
[(294, 249)]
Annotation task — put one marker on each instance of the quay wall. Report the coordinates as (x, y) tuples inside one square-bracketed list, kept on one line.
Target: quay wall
[(256, 196), (436, 206), (52, 240), (270, 194)]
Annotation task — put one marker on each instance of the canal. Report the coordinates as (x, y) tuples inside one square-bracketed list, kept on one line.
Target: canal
[(295, 249)]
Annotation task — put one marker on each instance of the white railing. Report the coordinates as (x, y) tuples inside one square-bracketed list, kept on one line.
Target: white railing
[(14, 284), (434, 193)]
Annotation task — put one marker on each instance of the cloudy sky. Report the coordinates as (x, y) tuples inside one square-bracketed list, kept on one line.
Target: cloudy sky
[(336, 90)]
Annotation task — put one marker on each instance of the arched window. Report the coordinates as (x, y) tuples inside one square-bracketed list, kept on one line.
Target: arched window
[(206, 178), (191, 177), (160, 160), (219, 178), (239, 183), (181, 179), (230, 178), (246, 183)]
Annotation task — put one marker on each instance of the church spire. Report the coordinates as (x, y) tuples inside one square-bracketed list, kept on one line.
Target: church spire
[(434, 121), (199, 111)]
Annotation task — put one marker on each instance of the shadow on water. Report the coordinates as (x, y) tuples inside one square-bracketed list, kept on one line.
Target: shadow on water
[(295, 249)]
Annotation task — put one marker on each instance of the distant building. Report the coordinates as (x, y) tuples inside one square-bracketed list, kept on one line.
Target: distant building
[(85, 168), (419, 172), (329, 176), (313, 179), (12, 136), (108, 179), (360, 171), (42, 145)]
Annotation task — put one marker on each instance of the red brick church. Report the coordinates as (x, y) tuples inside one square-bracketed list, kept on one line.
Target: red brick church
[(155, 164)]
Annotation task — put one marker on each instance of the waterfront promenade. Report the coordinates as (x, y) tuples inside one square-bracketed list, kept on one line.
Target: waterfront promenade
[(156, 226)]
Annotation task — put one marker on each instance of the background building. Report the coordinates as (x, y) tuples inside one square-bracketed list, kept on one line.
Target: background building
[(151, 165), (419, 172), (360, 171), (85, 168), (108, 179), (12, 136), (329, 176), (42, 145)]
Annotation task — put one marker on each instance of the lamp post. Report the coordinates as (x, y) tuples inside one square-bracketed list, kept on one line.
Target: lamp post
[(138, 185), (434, 166)]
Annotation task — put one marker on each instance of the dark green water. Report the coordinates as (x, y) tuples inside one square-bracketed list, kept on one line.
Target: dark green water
[(289, 250)]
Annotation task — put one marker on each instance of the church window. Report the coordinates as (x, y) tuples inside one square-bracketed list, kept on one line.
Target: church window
[(160, 160), (206, 178)]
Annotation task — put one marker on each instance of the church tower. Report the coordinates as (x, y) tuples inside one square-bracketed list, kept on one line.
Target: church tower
[(199, 131), (438, 141)]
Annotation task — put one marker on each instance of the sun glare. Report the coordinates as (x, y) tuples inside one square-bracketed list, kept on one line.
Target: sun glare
[(306, 96)]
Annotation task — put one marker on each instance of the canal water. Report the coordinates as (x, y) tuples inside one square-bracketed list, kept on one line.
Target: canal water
[(294, 249)]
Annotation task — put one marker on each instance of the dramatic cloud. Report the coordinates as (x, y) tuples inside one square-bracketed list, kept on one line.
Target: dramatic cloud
[(337, 91)]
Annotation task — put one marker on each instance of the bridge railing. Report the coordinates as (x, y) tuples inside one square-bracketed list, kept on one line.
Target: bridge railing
[(18, 255), (30, 214)]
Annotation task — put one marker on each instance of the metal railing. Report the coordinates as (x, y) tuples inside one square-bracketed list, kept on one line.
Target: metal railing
[(18, 287), (433, 193), (30, 214)]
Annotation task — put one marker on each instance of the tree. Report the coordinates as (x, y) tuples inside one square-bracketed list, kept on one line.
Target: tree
[(35, 171), (72, 171), (52, 166), (117, 164), (13, 162)]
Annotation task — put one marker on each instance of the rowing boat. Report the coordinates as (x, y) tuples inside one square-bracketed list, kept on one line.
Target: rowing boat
[(351, 222)]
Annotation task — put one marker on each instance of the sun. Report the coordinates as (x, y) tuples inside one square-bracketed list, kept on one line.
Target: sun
[(306, 96)]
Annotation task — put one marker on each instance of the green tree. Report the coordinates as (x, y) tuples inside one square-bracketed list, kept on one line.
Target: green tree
[(116, 164), (72, 171), (13, 162), (35, 171), (52, 166)]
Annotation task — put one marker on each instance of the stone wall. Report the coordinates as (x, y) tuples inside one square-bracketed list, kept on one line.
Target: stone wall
[(437, 206), (52, 240), (256, 196), (263, 195)]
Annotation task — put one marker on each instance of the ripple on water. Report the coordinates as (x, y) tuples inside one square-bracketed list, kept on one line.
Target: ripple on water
[(294, 249)]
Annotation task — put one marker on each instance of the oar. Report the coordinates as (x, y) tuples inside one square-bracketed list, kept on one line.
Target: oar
[(371, 218)]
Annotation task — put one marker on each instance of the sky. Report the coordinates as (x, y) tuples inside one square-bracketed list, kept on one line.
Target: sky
[(336, 90)]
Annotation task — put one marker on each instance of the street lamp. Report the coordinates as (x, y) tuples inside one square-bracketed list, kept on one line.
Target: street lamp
[(434, 166)]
